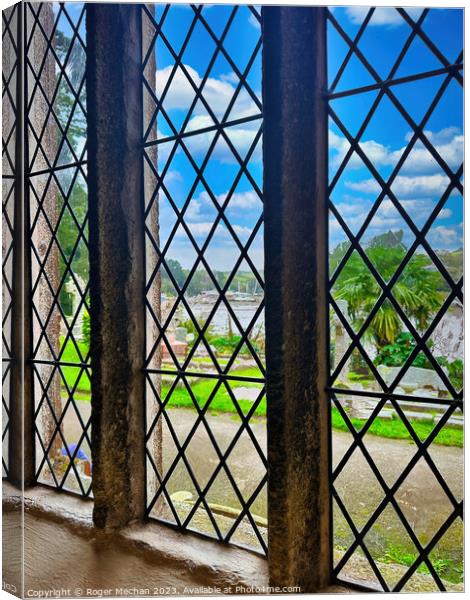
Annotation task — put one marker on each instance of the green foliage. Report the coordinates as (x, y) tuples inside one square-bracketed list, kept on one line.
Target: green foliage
[(75, 377), (66, 301), (395, 429), (190, 327), (453, 261), (243, 281), (359, 365), (417, 289), (68, 233), (395, 355), (86, 328), (390, 239), (353, 376), (221, 401), (454, 370), (227, 345), (73, 128), (422, 362), (222, 344), (176, 270), (447, 568), (74, 125)]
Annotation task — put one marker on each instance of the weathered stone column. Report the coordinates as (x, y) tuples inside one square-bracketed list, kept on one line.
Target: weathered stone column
[(151, 258), (296, 243), (21, 437), (117, 270)]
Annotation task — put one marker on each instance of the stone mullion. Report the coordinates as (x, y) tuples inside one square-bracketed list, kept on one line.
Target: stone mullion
[(296, 244), (21, 425), (117, 262), (151, 259)]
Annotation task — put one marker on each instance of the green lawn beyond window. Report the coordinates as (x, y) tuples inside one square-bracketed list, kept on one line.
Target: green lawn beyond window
[(222, 402)]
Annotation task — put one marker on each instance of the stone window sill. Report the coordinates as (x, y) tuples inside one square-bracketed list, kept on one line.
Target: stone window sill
[(191, 559), (206, 560)]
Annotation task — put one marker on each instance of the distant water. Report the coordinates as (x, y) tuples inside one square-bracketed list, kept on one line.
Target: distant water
[(244, 312)]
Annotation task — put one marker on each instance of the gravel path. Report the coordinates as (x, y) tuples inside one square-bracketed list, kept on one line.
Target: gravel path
[(421, 497)]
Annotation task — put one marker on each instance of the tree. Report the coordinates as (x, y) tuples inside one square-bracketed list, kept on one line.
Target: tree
[(175, 268), (73, 124), (416, 291)]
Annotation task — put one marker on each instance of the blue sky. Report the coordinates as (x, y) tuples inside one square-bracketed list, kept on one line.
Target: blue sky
[(420, 182), (244, 207)]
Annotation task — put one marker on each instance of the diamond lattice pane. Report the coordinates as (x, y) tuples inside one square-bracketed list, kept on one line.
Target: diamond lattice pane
[(396, 334), (57, 190), (206, 408)]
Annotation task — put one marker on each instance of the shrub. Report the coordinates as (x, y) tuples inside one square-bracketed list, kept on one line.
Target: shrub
[(86, 327), (190, 327), (455, 371), (226, 345), (395, 355)]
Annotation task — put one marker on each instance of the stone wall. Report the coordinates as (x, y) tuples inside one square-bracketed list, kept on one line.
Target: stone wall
[(448, 336)]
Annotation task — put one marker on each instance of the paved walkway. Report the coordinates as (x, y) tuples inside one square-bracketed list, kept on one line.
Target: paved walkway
[(420, 497)]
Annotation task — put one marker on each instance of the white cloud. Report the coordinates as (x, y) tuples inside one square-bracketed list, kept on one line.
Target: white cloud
[(223, 252), (239, 204), (445, 213), (446, 238), (404, 186), (231, 77), (355, 210), (221, 235), (242, 201), (197, 229), (420, 207), (366, 186), (381, 16), (449, 143), (217, 92), (172, 176), (443, 136), (242, 232), (252, 20), (241, 136), (375, 151), (194, 211)]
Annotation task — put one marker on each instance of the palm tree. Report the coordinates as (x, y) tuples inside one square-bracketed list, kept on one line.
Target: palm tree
[(416, 291)]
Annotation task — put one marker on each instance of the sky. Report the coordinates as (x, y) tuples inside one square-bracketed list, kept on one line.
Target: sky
[(222, 172), (419, 184), (421, 180)]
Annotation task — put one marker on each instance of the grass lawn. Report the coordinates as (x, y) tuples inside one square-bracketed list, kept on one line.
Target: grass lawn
[(395, 429), (71, 374), (222, 403), (447, 567)]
